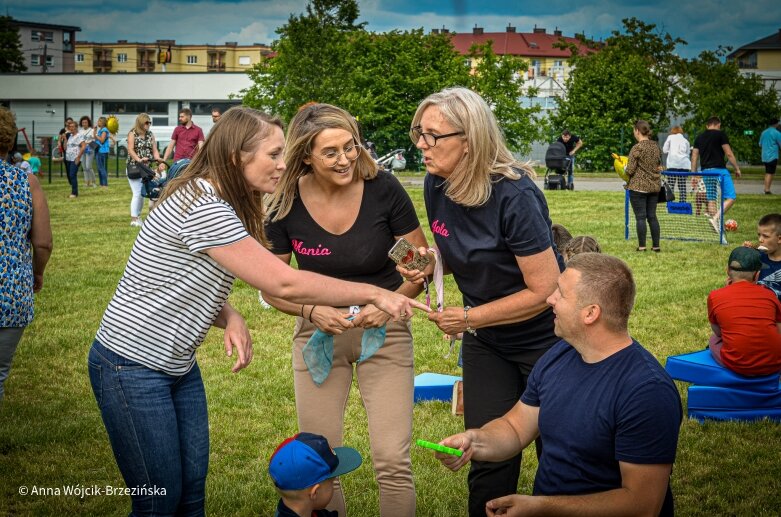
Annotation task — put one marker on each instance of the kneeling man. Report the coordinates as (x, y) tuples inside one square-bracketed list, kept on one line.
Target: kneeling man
[(606, 411)]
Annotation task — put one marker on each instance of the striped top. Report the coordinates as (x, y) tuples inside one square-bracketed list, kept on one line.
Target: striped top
[(171, 290)]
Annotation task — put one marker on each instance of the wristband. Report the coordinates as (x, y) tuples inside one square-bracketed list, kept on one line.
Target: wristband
[(310, 313), (302, 311), (466, 320)]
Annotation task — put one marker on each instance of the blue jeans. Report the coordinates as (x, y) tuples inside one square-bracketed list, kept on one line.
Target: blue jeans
[(9, 339), (102, 159), (571, 171), (159, 431), (72, 168)]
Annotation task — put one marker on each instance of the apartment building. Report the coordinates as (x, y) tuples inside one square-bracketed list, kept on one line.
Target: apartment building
[(166, 56), (763, 58), (47, 48)]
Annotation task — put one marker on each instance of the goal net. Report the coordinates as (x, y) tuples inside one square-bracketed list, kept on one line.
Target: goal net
[(694, 214)]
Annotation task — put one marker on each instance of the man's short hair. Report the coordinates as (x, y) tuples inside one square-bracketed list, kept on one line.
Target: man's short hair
[(773, 121), (713, 121), (605, 281), (566, 133), (773, 220), (216, 109), (186, 111)]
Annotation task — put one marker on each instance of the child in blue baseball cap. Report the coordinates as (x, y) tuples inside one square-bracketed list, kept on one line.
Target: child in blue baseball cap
[(303, 469)]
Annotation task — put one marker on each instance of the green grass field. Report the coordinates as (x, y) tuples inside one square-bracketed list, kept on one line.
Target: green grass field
[(51, 434)]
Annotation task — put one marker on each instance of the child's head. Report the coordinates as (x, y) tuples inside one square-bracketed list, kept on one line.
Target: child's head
[(18, 158), (769, 233), (581, 244), (304, 466), (561, 236)]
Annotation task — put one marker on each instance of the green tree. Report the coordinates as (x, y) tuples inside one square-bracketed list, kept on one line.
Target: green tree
[(635, 75), (741, 102), (11, 56), (497, 80)]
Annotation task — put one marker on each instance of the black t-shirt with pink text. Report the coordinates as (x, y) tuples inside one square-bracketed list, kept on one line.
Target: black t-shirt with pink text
[(361, 253), (480, 246)]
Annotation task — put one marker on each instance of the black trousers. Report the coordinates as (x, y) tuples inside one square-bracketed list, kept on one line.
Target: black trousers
[(644, 207), (494, 380)]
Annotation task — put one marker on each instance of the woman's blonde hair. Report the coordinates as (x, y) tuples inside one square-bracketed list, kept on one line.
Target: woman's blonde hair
[(309, 122), (230, 145), (139, 125), (102, 121), (487, 156)]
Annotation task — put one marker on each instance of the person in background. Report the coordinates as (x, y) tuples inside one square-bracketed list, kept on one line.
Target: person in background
[(745, 318), (206, 231), (339, 215), (643, 169), (572, 143), (102, 136), (493, 232), (770, 141), (216, 113), (141, 148), (35, 163), (561, 236), (678, 151), (62, 138), (581, 244), (21, 163), (25, 247), (187, 137), (607, 412), (88, 135), (74, 150)]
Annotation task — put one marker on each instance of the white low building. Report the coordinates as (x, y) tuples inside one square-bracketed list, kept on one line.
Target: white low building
[(41, 102)]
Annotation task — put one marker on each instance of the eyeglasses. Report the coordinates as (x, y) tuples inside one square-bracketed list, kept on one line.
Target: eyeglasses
[(430, 138), (331, 158), (147, 123)]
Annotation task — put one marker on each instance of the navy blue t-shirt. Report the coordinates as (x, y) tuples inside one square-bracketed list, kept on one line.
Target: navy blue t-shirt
[(623, 408), (480, 246), (771, 276), (361, 253)]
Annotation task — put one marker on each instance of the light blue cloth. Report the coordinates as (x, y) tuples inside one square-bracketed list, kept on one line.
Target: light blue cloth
[(319, 351), (769, 141)]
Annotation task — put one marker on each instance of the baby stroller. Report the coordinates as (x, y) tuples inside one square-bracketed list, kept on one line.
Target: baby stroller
[(393, 161), (153, 187), (558, 164)]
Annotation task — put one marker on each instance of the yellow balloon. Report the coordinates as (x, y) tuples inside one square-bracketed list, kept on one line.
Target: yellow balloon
[(619, 163), (112, 124)]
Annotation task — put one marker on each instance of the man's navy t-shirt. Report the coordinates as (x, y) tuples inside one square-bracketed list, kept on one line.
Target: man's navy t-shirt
[(570, 145), (709, 146), (480, 245), (361, 253), (623, 408)]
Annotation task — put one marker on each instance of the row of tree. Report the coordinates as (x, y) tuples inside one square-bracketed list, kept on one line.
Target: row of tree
[(323, 55)]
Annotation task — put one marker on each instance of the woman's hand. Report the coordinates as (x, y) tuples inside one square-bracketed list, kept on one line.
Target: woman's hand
[(370, 317), (414, 275), (398, 306), (329, 319), (450, 320), (145, 160), (237, 336)]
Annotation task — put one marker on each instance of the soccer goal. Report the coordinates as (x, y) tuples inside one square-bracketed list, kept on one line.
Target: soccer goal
[(694, 215)]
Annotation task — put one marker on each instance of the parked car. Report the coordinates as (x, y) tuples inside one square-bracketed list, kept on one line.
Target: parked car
[(162, 137)]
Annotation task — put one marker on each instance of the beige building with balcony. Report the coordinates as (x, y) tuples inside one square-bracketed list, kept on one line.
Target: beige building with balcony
[(165, 56), (47, 48), (762, 58)]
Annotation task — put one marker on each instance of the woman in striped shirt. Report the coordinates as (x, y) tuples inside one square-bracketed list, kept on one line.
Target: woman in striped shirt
[(206, 230)]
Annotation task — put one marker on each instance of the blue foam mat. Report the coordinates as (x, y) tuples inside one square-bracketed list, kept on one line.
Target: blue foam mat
[(700, 368), (713, 398), (434, 386), (747, 415)]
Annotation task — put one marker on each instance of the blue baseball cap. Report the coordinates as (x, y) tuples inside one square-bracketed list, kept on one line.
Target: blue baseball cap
[(305, 459)]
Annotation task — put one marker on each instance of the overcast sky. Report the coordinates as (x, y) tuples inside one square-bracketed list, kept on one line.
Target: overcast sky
[(704, 24)]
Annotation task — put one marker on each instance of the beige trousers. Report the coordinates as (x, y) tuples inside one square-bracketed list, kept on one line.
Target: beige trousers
[(385, 382)]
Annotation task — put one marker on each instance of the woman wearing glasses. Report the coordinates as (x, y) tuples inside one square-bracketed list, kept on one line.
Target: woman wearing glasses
[(491, 225), (141, 148), (339, 215)]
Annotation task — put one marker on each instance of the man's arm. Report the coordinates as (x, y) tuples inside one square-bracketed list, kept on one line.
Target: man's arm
[(497, 440), (695, 157), (170, 145), (642, 492), (578, 145), (731, 158)]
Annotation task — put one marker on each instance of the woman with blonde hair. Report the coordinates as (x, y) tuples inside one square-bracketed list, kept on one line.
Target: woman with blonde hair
[(339, 215), (491, 226), (645, 181), (141, 148), (102, 137), (678, 151), (206, 231)]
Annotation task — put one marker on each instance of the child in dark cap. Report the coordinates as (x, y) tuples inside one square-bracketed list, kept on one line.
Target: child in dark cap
[(303, 469)]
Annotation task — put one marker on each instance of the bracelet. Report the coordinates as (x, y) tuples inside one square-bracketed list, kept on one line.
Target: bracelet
[(466, 320), (302, 311), (310, 313)]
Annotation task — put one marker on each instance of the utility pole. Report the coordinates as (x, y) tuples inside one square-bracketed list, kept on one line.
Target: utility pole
[(43, 64)]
